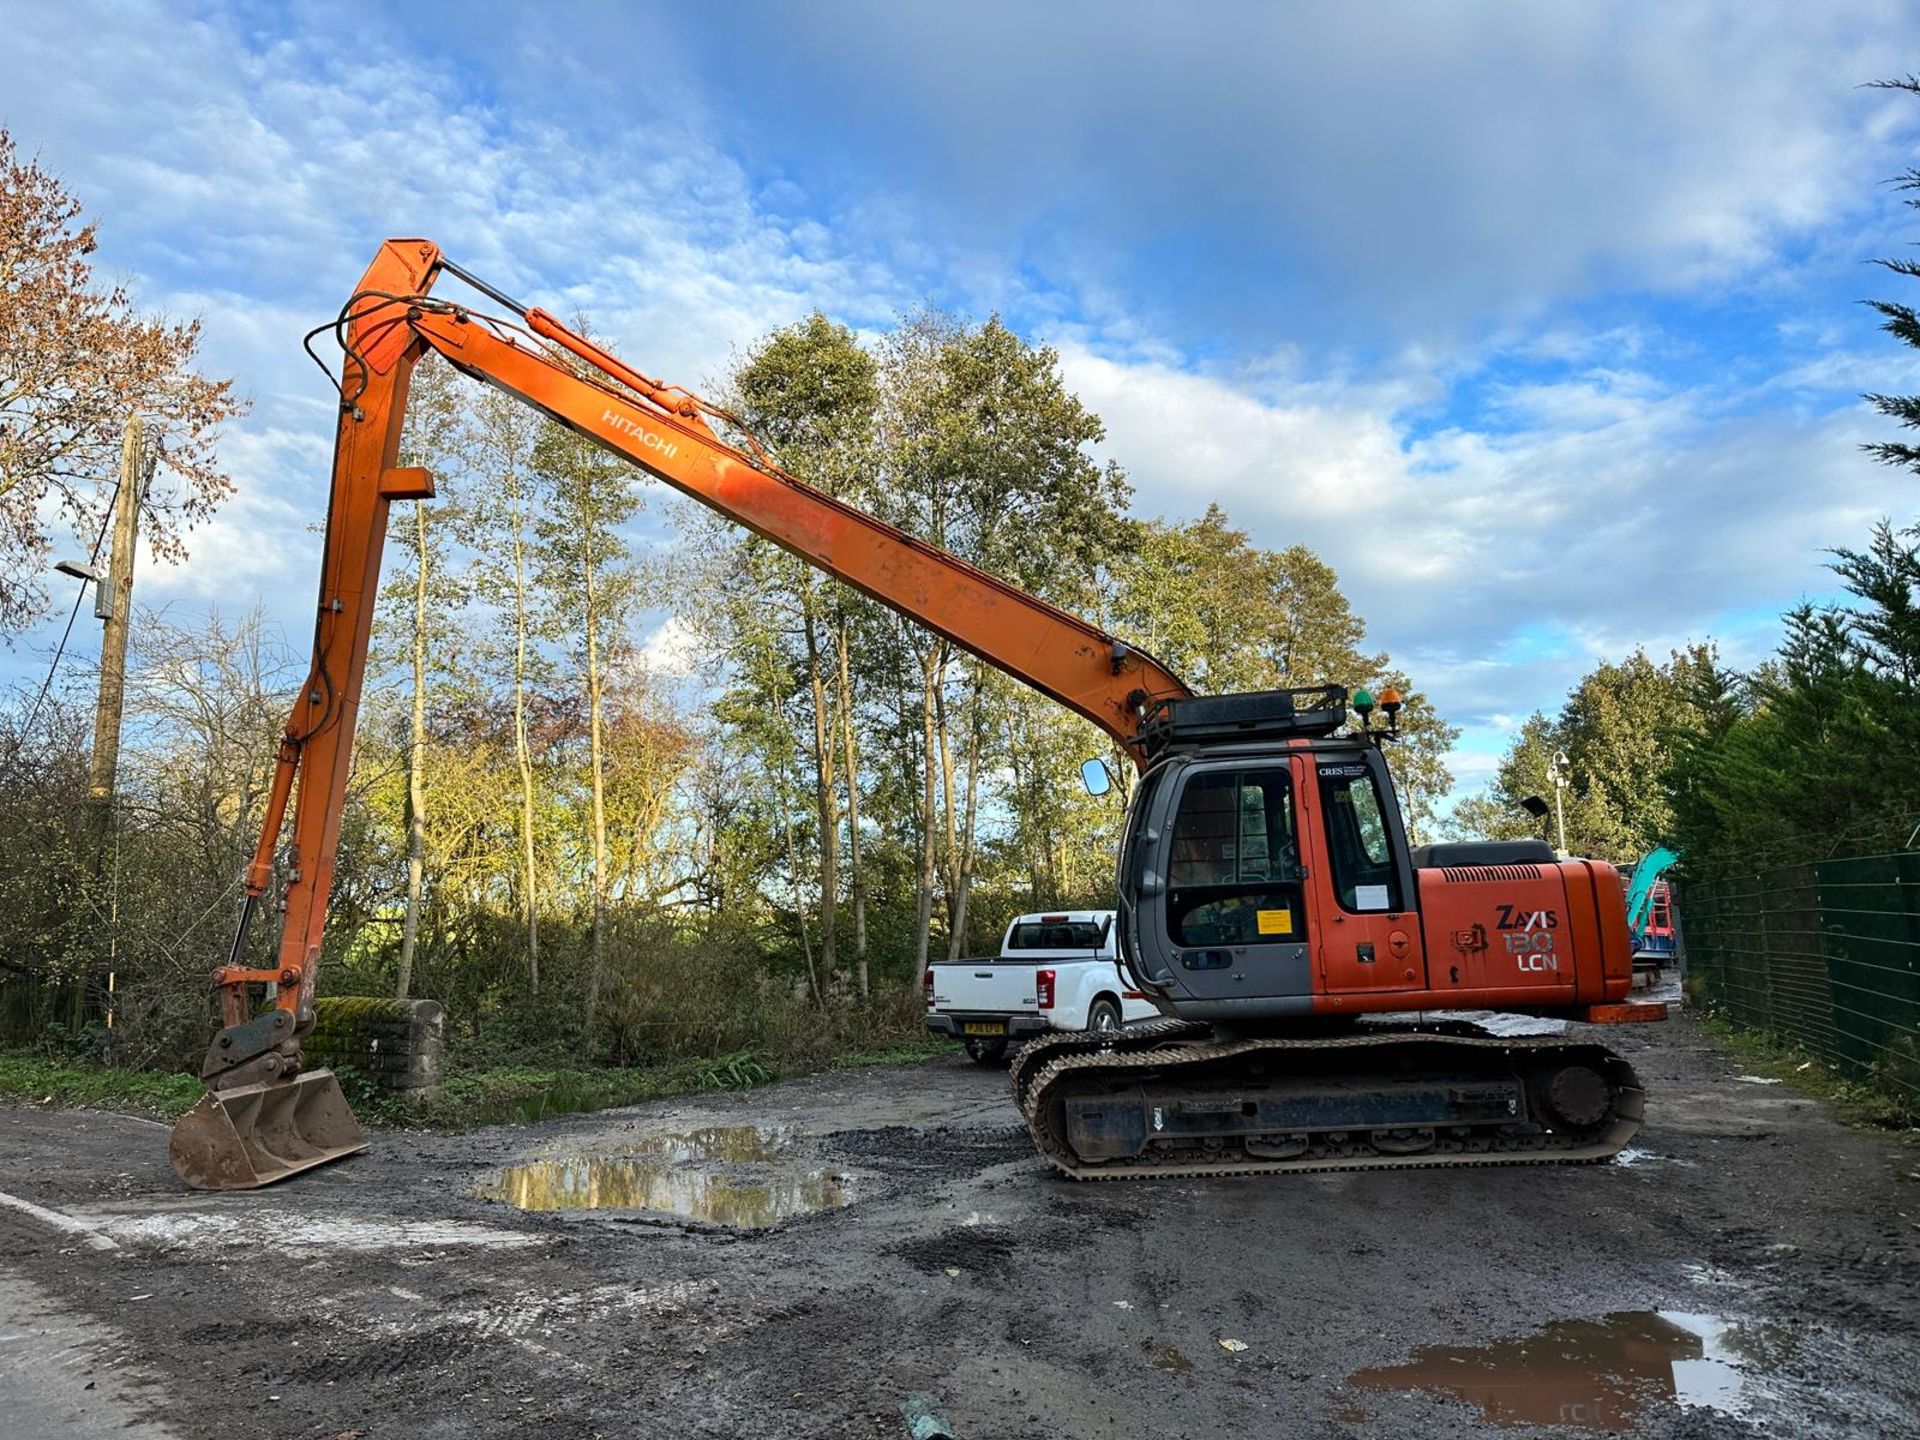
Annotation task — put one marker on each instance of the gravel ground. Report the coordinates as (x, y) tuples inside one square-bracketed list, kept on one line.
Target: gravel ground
[(389, 1296)]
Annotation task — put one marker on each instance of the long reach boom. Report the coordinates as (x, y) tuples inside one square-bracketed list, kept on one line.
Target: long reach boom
[(389, 325)]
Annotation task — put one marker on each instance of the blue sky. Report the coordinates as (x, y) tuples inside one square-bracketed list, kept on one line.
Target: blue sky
[(1539, 322)]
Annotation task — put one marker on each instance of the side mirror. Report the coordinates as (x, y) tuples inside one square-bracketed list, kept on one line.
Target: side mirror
[(1535, 807), (1096, 777)]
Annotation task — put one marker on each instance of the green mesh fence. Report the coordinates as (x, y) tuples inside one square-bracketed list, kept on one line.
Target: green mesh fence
[(1825, 957)]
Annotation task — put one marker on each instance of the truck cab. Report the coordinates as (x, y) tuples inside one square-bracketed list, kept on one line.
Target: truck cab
[(1056, 970)]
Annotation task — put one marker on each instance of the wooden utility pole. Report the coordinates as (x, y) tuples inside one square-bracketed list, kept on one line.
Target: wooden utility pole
[(114, 604), (136, 469)]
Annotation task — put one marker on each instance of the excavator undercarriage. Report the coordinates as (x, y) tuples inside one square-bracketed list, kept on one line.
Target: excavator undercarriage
[(1176, 1098)]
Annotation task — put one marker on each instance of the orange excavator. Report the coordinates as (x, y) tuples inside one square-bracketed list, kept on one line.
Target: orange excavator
[(1270, 904)]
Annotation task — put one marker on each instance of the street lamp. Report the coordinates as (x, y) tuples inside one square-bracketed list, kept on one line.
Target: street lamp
[(1558, 768), (102, 592)]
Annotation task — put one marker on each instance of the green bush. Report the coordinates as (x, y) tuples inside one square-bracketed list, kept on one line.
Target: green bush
[(160, 1093), (741, 1070)]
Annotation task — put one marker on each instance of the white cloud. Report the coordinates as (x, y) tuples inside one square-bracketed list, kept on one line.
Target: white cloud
[(1343, 167), (257, 546), (1618, 515), (247, 179), (1472, 768), (1306, 192), (672, 649)]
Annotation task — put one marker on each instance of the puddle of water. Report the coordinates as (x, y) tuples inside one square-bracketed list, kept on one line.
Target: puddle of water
[(1634, 1155), (735, 1144), (1589, 1374), (1164, 1355), (664, 1172)]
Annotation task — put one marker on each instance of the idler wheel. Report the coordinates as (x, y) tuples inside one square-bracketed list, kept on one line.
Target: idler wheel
[(1577, 1095), (1401, 1142), (1276, 1147)]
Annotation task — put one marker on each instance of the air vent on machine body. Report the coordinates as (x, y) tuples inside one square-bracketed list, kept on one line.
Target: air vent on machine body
[(1481, 874)]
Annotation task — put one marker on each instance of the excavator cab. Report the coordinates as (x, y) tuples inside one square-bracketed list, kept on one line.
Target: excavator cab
[(1218, 916), (1254, 829)]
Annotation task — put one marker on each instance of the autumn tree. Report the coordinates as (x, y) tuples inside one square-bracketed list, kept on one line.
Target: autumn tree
[(651, 751), (811, 393), (418, 616), (1618, 729), (1228, 616), (1057, 841), (589, 589), (984, 452), (76, 360), (504, 495), (206, 702)]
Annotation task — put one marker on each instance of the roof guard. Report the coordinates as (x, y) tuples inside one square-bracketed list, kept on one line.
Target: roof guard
[(1252, 715)]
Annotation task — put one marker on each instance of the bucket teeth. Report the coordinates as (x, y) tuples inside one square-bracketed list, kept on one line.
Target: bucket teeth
[(253, 1135)]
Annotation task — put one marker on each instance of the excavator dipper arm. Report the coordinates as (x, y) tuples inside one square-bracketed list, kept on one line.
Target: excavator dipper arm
[(263, 1117)]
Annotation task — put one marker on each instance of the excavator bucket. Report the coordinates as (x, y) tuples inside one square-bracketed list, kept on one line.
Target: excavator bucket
[(253, 1135)]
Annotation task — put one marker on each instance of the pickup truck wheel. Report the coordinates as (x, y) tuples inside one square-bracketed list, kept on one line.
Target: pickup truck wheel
[(986, 1052), (1103, 1016)]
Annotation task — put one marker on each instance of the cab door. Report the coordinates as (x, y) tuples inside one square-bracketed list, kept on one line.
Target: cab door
[(1228, 920), (1360, 892)]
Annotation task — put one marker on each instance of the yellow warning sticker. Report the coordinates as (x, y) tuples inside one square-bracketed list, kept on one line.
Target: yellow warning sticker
[(1275, 922)]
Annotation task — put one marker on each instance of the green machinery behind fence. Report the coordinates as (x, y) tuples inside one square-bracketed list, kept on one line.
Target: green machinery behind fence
[(1825, 957)]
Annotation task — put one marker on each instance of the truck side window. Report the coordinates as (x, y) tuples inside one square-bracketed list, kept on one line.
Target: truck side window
[(1233, 876), (1358, 851)]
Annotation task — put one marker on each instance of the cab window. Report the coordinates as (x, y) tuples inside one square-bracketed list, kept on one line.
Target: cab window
[(1233, 873), (1359, 849)]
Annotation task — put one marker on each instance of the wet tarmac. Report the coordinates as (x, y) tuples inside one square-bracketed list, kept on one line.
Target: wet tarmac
[(1750, 1273)]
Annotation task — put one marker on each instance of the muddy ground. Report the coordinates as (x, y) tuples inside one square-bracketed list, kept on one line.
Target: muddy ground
[(1753, 1258)]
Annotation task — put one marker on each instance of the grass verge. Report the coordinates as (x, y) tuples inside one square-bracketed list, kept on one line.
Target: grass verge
[(155, 1093), (909, 1051), (496, 1095), (526, 1095), (1853, 1102)]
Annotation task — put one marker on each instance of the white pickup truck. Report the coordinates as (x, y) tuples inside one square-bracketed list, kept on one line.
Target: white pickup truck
[(1054, 972)]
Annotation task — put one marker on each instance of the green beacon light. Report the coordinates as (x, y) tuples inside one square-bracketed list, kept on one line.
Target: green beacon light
[(1363, 704)]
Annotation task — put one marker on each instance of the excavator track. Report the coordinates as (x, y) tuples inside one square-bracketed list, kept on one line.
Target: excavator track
[(1167, 1101), (1034, 1056)]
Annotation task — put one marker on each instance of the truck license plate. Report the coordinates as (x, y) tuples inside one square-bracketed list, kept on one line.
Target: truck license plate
[(984, 1027)]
